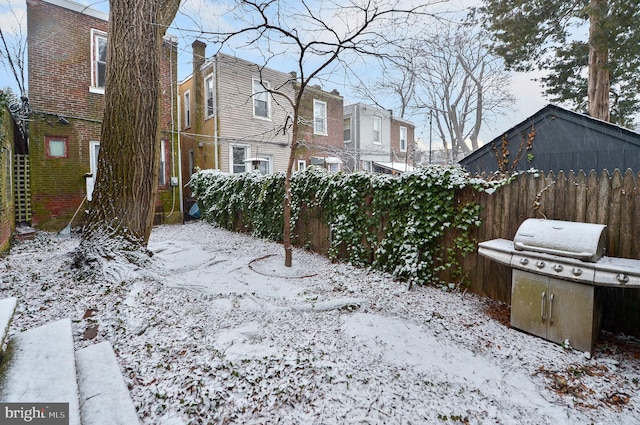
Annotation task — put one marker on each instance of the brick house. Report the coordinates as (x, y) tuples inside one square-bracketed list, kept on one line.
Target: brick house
[(9, 135), (67, 62), (321, 130)]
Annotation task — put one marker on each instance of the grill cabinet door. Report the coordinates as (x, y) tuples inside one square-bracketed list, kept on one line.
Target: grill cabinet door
[(571, 314), (528, 302)]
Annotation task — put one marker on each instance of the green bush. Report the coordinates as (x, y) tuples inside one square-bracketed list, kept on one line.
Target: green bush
[(392, 223)]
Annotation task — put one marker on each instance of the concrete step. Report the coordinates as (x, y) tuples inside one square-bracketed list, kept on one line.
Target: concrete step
[(39, 367), (104, 396), (7, 308)]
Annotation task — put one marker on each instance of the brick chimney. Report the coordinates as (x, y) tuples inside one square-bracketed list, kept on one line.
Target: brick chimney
[(198, 49)]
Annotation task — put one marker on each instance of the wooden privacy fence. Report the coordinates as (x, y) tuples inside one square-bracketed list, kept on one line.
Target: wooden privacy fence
[(610, 199)]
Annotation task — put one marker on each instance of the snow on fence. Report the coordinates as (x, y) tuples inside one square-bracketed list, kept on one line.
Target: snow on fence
[(611, 199)]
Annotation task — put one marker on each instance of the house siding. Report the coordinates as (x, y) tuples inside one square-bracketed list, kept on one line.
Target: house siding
[(59, 58), (555, 139), (397, 155)]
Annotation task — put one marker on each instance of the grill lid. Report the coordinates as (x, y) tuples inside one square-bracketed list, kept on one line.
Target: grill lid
[(584, 241)]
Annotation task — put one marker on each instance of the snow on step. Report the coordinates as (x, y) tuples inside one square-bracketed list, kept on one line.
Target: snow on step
[(104, 396), (39, 367), (7, 307)]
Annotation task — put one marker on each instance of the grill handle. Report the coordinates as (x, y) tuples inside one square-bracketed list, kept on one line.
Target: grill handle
[(551, 309), (543, 307), (579, 255)]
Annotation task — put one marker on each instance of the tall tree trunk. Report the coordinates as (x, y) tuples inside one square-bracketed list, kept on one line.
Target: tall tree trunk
[(599, 75), (127, 178)]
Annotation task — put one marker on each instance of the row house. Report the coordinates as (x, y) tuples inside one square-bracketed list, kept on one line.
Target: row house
[(376, 141), (231, 122), (67, 45)]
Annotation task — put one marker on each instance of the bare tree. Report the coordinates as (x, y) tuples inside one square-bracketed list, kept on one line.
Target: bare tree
[(13, 47), (462, 84), (121, 215), (319, 36)]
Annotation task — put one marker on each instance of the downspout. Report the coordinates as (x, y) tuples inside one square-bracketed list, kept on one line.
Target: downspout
[(173, 129), (179, 140)]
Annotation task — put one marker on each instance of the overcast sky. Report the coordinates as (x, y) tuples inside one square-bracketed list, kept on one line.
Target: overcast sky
[(526, 91)]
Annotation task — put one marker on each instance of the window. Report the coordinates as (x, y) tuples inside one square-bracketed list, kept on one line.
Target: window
[(403, 139), (238, 155), (319, 117), (98, 60), (302, 165), (377, 125), (164, 163), (209, 96), (192, 161), (265, 167), (56, 147), (187, 109), (347, 129), (94, 151), (261, 104)]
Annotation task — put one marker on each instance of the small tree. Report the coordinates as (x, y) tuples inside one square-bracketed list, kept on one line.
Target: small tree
[(319, 35)]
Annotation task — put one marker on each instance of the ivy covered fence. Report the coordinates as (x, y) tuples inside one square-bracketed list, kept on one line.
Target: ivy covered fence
[(396, 224)]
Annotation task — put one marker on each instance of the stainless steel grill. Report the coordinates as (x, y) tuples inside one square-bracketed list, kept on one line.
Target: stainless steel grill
[(557, 265)]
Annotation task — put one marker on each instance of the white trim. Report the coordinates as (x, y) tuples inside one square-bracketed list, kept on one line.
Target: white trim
[(213, 96), (324, 118), (266, 86), (377, 119), (302, 165), (406, 137), (187, 108), (80, 8), (93, 168), (247, 154), (94, 88)]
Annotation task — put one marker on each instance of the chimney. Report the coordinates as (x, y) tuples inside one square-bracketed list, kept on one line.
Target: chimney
[(198, 48)]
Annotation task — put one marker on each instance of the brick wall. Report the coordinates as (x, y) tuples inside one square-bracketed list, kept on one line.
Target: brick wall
[(59, 59), (7, 213), (396, 154), (320, 145)]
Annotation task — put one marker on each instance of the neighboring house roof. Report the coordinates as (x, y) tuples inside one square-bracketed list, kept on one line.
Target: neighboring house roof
[(555, 139), (80, 8)]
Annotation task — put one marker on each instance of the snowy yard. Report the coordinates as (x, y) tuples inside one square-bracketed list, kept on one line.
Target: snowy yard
[(216, 330)]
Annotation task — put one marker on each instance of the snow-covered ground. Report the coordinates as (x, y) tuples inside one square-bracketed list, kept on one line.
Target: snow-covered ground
[(216, 330)]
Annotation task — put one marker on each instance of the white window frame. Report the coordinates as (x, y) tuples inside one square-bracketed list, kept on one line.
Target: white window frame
[(209, 93), (261, 95), (302, 165), (320, 117), (377, 132), (247, 154), (266, 167), (187, 108), (95, 36), (163, 163), (403, 139), (94, 150), (344, 128)]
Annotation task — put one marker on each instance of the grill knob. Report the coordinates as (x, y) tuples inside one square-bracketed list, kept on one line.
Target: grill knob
[(558, 268), (524, 261), (540, 264), (576, 271), (622, 278)]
